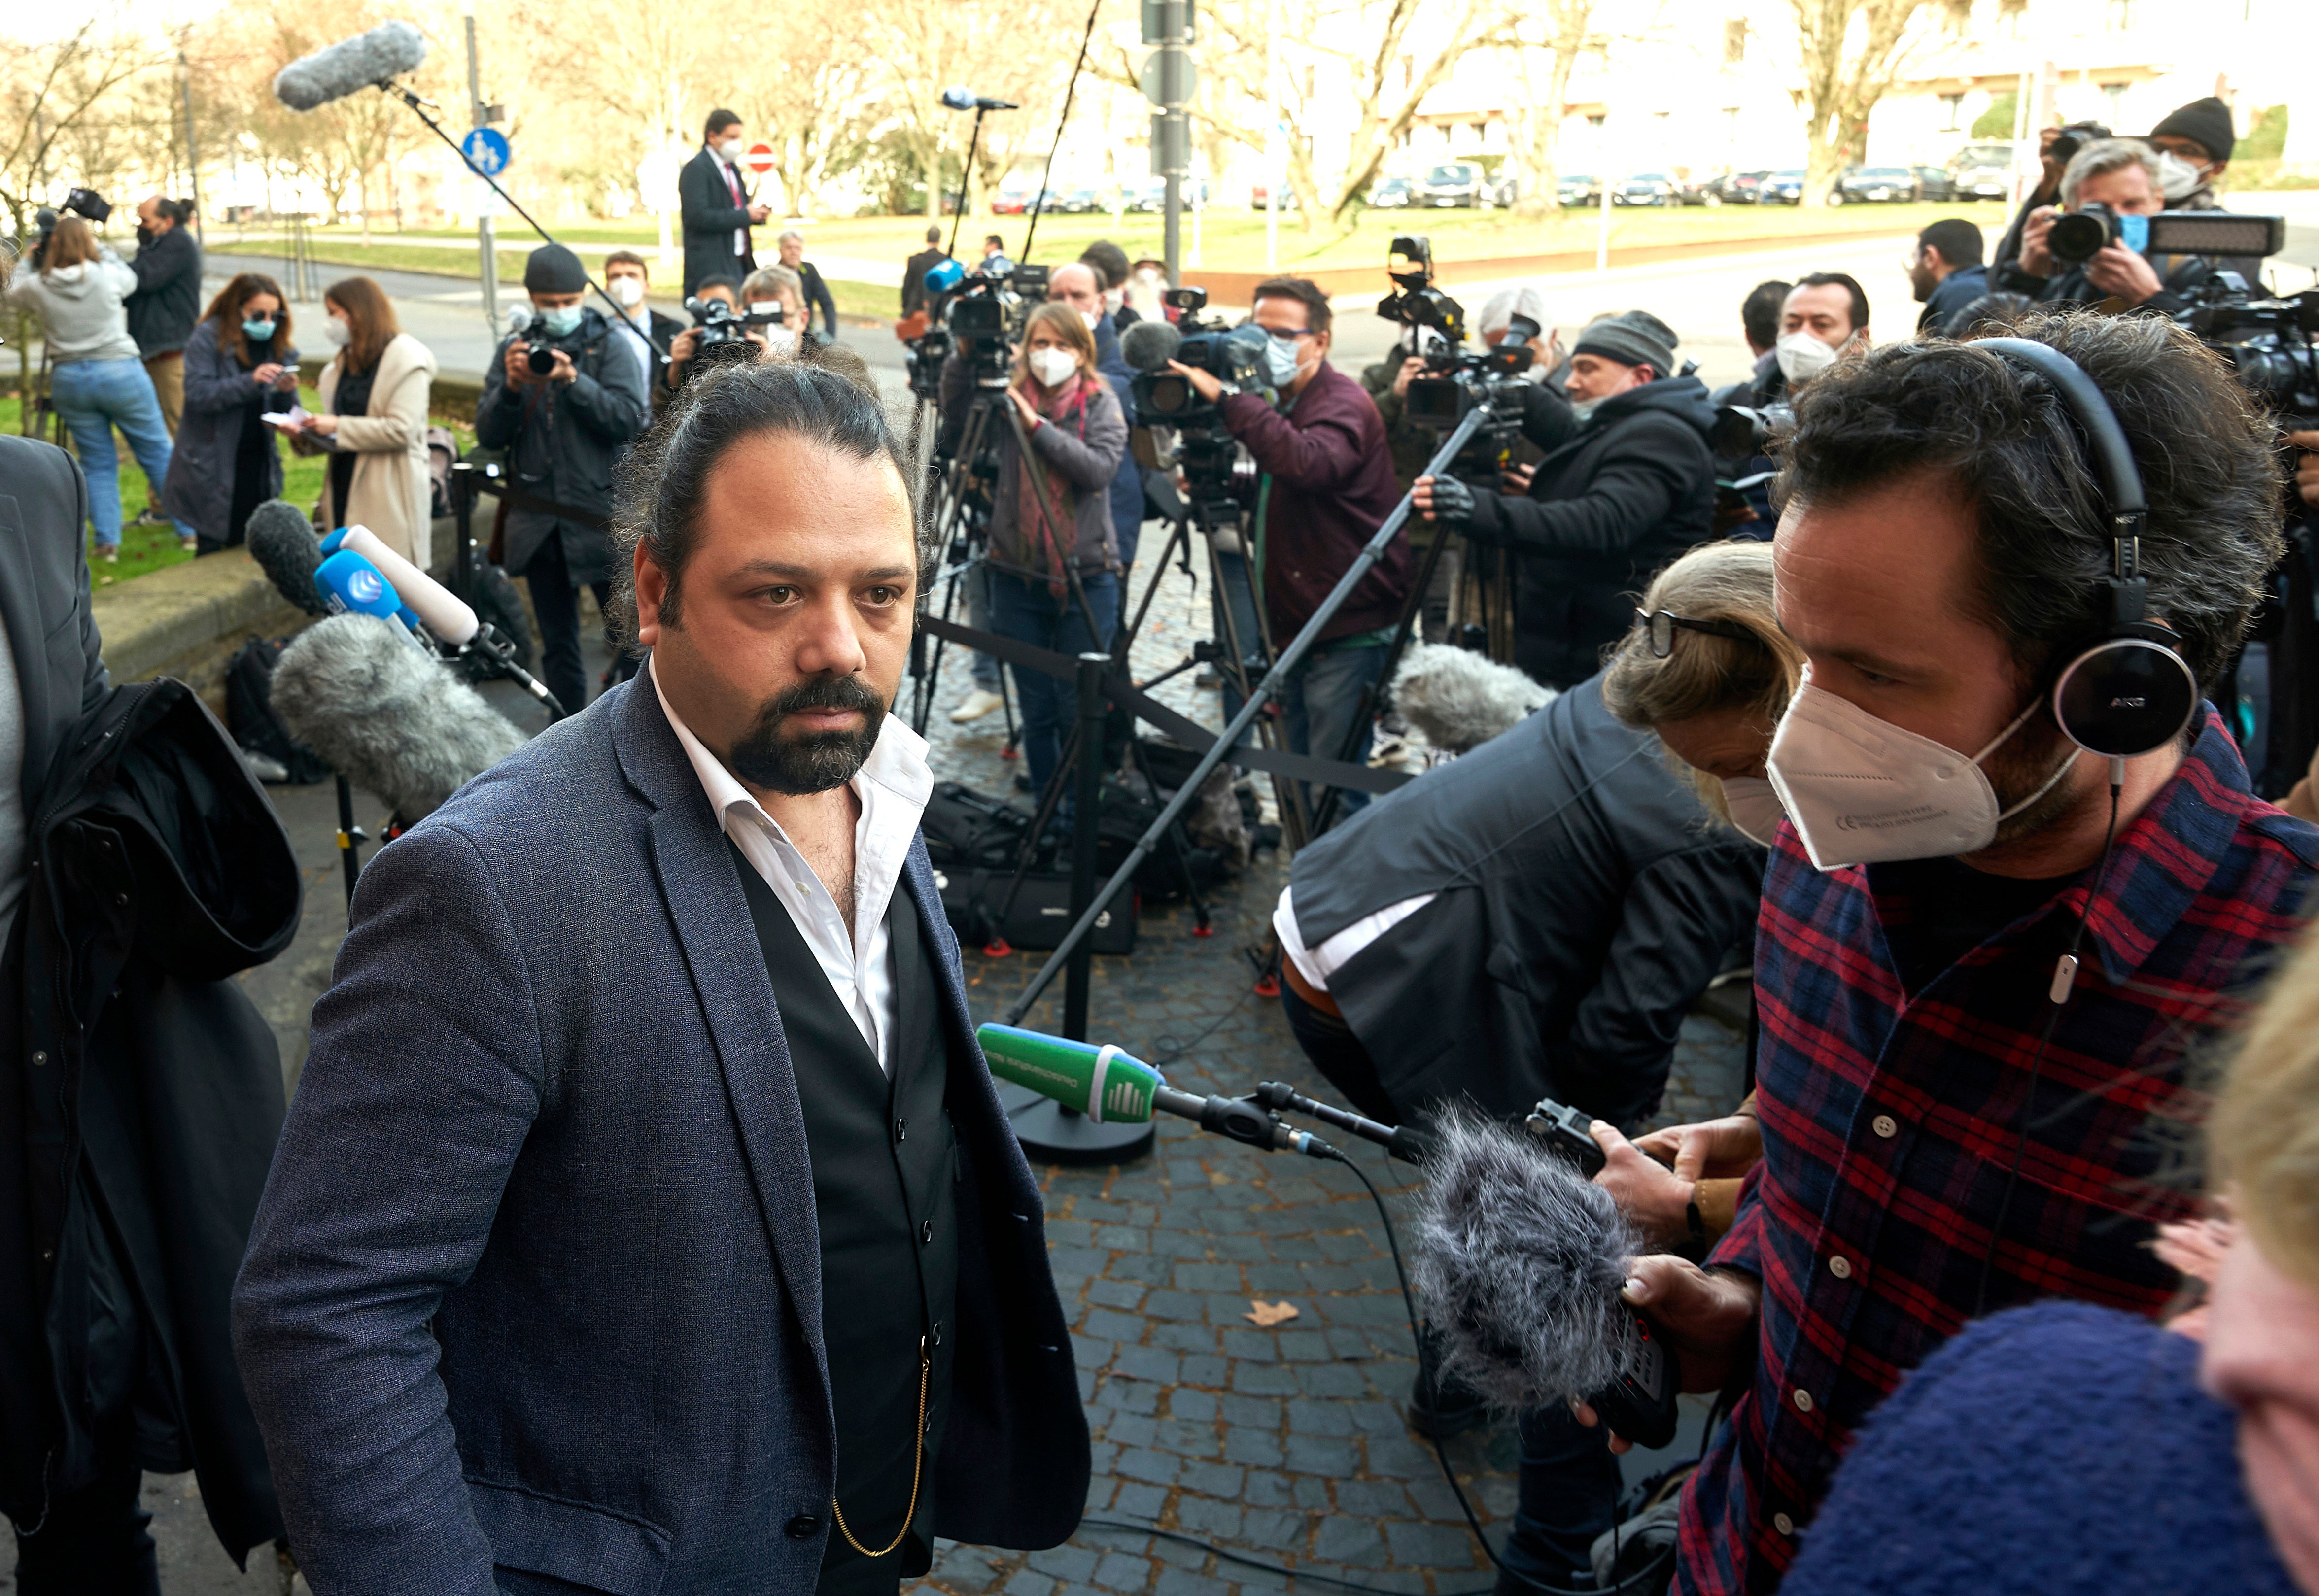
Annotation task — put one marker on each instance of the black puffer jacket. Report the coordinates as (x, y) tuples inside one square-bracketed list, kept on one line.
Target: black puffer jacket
[(1614, 499), (169, 297), (139, 1115)]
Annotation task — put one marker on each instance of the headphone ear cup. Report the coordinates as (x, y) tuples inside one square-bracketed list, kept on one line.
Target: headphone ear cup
[(2124, 697)]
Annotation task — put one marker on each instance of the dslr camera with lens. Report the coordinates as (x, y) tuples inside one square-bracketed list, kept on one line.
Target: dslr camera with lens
[(723, 332)]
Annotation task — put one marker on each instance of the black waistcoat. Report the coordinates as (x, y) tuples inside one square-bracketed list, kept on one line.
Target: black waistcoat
[(885, 1201)]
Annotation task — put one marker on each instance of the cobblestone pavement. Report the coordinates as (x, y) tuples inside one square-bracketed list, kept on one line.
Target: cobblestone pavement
[(1282, 1444)]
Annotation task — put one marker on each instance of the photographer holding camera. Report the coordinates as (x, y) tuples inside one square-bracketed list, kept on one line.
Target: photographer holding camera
[(2107, 179), (1627, 483), (718, 322), (1325, 485), (564, 400)]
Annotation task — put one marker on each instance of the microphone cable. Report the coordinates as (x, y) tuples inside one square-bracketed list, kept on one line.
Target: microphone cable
[(2059, 995)]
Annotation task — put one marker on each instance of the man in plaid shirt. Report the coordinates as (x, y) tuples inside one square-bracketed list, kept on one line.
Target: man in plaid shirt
[(1940, 556)]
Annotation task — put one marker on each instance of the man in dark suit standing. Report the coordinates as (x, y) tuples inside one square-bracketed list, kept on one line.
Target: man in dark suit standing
[(914, 274), (677, 1242), (716, 205)]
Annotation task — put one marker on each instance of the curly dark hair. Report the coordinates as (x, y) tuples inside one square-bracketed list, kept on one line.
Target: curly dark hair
[(661, 485), (2008, 446)]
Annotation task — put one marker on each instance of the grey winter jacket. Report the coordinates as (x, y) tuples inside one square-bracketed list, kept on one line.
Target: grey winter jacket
[(80, 309), (1080, 456), (220, 390)]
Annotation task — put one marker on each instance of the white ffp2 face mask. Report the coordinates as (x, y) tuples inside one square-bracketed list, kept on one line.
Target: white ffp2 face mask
[(1053, 367), (1862, 790), (1753, 806), (627, 292), (1802, 356), (2179, 179)]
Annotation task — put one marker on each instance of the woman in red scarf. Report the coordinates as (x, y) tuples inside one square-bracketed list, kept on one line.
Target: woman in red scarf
[(1049, 525)]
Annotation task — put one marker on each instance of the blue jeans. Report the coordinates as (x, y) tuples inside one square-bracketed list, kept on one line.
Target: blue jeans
[(1322, 695), (1027, 613), (981, 667), (1567, 1495), (92, 398)]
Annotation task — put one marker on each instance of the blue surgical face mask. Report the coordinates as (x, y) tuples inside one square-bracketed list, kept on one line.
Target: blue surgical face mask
[(556, 324), (258, 330), (1279, 363)]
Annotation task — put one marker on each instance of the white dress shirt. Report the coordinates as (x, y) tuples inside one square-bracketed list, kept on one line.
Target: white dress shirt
[(893, 785), (1316, 965), (636, 326)]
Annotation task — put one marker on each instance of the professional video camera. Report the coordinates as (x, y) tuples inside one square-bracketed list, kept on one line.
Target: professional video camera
[(1458, 379), (1414, 302), (725, 330), (1163, 398), (983, 313), (2269, 342), (81, 201)]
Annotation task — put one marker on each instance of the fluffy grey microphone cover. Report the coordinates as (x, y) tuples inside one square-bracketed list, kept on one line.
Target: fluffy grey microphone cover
[(384, 715), (1460, 699), (1519, 1260), (336, 70)]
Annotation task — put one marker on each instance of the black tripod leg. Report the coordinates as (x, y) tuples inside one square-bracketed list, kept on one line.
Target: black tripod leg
[(1374, 694)]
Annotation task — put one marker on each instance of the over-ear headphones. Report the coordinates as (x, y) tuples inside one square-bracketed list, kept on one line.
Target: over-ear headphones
[(2130, 692)]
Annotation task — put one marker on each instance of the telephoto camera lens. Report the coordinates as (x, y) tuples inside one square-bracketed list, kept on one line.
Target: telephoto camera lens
[(2081, 235), (540, 355)]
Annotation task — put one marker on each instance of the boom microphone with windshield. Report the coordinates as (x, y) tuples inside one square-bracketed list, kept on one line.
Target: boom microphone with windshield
[(959, 97), (1521, 1259), (1150, 346), (385, 716), (337, 70)]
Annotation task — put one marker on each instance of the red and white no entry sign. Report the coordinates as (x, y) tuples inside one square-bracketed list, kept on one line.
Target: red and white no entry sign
[(760, 159)]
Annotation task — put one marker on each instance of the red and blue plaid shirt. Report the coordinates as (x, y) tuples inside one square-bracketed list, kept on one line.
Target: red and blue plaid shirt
[(1889, 1126)]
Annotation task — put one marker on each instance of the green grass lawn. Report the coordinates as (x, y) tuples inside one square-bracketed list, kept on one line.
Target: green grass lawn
[(150, 548), (1232, 236)]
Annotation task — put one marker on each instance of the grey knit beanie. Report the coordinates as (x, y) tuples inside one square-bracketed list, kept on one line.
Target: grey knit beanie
[(1637, 337)]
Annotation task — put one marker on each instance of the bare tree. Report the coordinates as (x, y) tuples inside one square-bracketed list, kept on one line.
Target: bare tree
[(51, 97), (1851, 52), (1551, 39), (1382, 68), (613, 81), (811, 96), (916, 47)]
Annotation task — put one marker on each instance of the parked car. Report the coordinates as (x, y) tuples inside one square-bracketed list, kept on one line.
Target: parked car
[(1781, 188), (1878, 186), (1506, 191), (1736, 188), (1453, 183), (1982, 171), (1934, 184), (1578, 191), (1394, 194), (1647, 188), (1010, 201), (1259, 197)]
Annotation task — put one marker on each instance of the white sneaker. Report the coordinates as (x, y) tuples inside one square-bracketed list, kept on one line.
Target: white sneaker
[(975, 706)]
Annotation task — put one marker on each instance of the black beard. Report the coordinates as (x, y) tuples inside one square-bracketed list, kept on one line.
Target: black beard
[(2023, 765), (817, 760)]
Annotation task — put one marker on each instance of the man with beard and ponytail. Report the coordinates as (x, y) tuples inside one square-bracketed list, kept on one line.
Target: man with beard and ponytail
[(1989, 960), (645, 1218)]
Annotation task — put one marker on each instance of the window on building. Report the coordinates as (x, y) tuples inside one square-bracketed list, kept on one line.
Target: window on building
[(2114, 104), (1952, 108), (2120, 16), (1735, 42)]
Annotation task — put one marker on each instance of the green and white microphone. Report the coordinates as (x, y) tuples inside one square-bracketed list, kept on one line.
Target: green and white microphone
[(1112, 1087)]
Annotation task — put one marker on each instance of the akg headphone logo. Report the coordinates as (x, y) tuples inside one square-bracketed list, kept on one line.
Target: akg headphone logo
[(366, 586), (2128, 703)]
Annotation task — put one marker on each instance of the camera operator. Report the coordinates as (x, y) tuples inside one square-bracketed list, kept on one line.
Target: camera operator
[(777, 296), (1945, 271), (684, 349), (169, 298), (1080, 287), (1324, 486), (1942, 555), (1627, 482), (1078, 429), (715, 206), (811, 289), (563, 430), (644, 331), (2122, 176)]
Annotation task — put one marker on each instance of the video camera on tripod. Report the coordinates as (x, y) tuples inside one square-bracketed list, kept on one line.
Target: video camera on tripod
[(978, 314), (2268, 341), (1458, 379), (1207, 452)]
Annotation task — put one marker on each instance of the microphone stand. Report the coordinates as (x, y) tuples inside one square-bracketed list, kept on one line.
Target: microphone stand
[(408, 96), (1258, 697), (965, 174)]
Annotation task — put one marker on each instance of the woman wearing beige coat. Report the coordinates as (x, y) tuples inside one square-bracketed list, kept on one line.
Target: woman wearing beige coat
[(373, 427)]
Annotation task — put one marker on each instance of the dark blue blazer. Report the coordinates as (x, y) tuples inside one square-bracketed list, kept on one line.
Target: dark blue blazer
[(536, 1286)]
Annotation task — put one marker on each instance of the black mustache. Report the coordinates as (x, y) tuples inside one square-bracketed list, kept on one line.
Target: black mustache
[(823, 692)]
